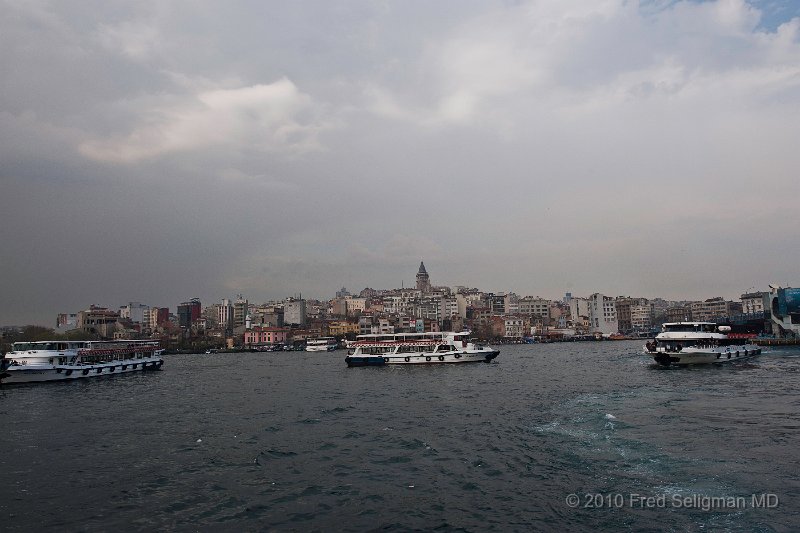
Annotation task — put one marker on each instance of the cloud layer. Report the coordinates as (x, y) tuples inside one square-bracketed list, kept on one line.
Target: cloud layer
[(152, 152)]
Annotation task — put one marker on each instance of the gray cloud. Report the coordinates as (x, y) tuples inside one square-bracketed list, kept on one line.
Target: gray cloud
[(157, 151)]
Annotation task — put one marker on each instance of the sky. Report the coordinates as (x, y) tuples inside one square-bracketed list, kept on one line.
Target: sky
[(156, 151)]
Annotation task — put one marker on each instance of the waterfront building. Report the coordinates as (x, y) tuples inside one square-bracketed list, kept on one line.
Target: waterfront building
[(642, 317), (603, 314), (754, 302), (559, 313), (678, 313), (578, 310), (264, 335), (784, 306), (714, 309), (510, 326), (627, 307)]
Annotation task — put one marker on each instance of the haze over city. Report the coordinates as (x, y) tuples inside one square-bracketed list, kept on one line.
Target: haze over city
[(157, 151)]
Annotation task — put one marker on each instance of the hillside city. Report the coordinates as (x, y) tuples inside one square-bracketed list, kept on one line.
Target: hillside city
[(498, 317)]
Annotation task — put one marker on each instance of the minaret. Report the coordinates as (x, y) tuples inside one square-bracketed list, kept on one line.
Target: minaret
[(423, 280)]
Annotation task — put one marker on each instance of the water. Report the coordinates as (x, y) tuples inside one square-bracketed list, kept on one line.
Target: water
[(298, 441)]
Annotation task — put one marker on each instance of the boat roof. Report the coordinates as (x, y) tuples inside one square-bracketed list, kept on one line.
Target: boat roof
[(415, 334), (690, 323)]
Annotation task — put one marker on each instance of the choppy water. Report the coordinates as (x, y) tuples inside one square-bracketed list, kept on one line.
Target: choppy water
[(297, 441)]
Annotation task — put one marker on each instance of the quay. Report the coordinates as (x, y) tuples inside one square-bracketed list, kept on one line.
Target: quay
[(776, 342)]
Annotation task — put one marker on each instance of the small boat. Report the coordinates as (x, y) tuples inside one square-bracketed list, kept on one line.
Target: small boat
[(692, 343), (321, 344), (30, 362), (417, 348)]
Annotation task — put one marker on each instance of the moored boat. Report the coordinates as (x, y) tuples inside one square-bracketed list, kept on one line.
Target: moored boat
[(321, 344), (691, 343), (417, 348), (30, 362)]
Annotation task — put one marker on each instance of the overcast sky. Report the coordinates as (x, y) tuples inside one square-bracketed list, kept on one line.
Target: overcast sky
[(155, 151)]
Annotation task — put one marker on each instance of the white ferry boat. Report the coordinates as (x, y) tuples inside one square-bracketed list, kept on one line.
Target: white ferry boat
[(417, 348), (691, 343), (321, 344), (62, 360)]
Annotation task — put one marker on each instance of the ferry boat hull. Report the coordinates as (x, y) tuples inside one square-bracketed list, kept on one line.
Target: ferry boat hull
[(35, 374), (690, 356), (422, 359)]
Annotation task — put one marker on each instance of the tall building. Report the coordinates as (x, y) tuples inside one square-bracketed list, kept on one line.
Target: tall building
[(188, 312), (225, 314), (240, 311), (603, 314), (423, 280), (155, 317), (294, 312)]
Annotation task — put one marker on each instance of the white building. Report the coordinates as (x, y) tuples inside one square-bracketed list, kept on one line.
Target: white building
[(134, 311), (578, 308), (603, 314), (225, 313), (294, 312)]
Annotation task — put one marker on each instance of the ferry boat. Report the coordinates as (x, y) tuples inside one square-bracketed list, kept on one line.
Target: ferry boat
[(321, 344), (691, 343), (30, 362), (417, 348)]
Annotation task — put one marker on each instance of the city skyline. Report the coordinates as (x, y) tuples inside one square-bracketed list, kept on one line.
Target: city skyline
[(427, 287), (153, 152)]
